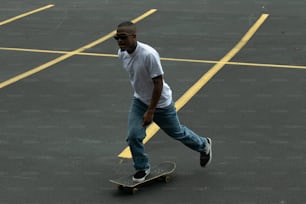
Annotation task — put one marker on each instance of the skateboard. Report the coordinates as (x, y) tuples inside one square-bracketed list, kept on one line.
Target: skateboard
[(160, 172)]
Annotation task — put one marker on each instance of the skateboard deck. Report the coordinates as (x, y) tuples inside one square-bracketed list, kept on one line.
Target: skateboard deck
[(161, 171)]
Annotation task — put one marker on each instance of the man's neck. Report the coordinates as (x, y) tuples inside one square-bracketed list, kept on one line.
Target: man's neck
[(130, 51)]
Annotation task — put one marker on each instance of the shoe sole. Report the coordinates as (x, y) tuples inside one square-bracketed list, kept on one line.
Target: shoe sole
[(210, 151)]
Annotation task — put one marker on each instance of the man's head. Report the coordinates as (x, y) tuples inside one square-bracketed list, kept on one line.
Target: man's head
[(126, 36)]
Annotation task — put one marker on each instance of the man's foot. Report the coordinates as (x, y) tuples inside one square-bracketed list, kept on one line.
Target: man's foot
[(141, 175), (206, 155)]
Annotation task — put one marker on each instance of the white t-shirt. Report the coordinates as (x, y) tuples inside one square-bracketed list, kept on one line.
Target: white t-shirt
[(143, 65)]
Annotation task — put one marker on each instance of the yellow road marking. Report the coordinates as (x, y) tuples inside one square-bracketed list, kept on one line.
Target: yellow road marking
[(284, 66), (69, 54), (56, 52), (217, 67), (25, 14), (148, 13), (249, 64), (153, 128)]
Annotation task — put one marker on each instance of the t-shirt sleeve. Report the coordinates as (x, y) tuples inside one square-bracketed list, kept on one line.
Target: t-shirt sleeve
[(153, 65)]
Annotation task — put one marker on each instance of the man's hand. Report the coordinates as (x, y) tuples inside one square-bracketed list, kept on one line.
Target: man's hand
[(147, 118), (149, 114)]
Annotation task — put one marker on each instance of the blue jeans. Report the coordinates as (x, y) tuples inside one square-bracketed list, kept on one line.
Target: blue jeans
[(167, 119)]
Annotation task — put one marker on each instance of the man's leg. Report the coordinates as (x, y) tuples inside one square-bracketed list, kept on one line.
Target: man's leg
[(167, 120), (136, 134)]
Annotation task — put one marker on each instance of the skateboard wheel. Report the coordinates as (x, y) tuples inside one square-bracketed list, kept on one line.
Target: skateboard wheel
[(127, 189), (133, 190), (166, 179), (121, 188)]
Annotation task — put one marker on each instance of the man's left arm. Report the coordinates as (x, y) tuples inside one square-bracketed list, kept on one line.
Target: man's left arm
[(157, 90)]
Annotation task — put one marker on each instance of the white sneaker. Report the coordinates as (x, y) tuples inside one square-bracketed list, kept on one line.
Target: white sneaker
[(206, 155), (140, 176)]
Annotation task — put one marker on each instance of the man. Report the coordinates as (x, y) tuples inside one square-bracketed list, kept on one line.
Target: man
[(152, 101)]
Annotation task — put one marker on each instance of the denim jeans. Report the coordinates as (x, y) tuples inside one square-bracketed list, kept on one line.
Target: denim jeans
[(167, 119)]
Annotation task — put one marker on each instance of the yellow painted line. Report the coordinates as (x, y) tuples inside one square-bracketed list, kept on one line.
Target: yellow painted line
[(249, 64), (69, 54), (217, 67), (26, 14), (148, 13), (33, 50), (56, 52), (283, 66), (152, 129), (188, 60)]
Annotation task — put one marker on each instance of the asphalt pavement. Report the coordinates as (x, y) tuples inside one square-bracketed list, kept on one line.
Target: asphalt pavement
[(64, 101)]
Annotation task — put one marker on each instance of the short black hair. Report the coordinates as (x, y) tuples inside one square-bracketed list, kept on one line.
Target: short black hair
[(128, 24)]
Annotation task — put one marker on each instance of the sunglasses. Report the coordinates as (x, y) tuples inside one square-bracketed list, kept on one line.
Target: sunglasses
[(122, 36)]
